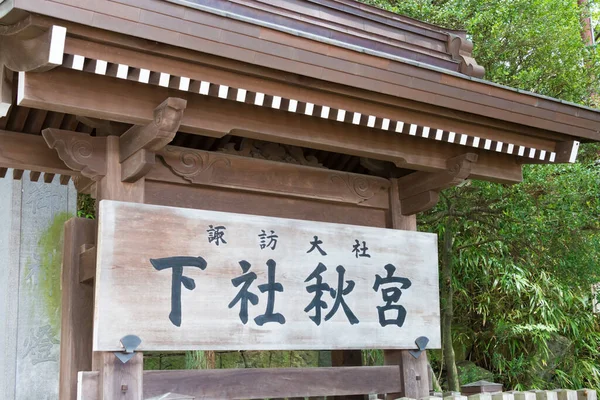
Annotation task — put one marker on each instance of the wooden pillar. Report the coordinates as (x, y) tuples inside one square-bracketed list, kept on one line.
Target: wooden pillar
[(77, 315), (117, 380), (414, 373), (347, 358)]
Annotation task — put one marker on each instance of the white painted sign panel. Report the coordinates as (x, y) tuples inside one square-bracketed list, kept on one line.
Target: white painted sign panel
[(184, 279)]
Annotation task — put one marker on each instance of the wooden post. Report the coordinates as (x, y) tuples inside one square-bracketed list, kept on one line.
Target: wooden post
[(414, 374), (77, 308), (117, 380), (347, 358)]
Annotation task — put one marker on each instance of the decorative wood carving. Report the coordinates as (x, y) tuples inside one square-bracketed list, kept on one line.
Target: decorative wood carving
[(223, 170), (461, 50), (420, 191), (272, 152), (79, 151), (193, 165), (358, 185), (139, 144)]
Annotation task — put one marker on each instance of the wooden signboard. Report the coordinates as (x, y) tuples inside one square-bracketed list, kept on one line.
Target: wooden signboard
[(184, 279)]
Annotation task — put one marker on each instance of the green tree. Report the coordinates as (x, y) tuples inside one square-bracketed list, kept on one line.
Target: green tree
[(517, 262)]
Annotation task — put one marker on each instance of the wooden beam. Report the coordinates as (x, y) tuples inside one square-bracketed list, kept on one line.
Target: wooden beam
[(140, 143), (77, 308), (419, 191), (29, 152), (158, 133), (197, 167), (27, 47), (87, 263), (272, 382), (103, 96)]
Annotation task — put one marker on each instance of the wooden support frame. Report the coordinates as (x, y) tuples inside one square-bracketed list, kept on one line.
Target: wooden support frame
[(261, 383), (140, 143), (77, 307), (217, 117), (420, 191), (27, 47)]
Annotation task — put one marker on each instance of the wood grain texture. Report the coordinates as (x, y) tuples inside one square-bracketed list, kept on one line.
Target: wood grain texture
[(77, 308), (216, 117), (271, 383), (268, 204), (176, 61), (373, 73), (29, 152), (223, 170), (87, 385), (414, 373), (125, 273), (118, 381)]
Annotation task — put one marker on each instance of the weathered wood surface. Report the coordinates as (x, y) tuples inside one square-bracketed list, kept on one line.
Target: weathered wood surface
[(234, 172), (33, 214), (245, 43), (87, 385), (272, 382), (132, 297), (77, 307), (16, 150), (102, 96), (257, 383)]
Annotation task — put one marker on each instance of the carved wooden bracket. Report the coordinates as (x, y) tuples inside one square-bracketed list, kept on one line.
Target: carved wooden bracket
[(195, 166), (420, 191), (27, 47), (461, 50), (138, 146), (79, 151)]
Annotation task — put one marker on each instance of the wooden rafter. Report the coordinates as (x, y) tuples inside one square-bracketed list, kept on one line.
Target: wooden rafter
[(27, 47), (420, 191), (104, 97)]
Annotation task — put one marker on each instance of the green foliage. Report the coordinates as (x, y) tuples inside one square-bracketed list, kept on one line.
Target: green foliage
[(86, 206), (533, 45), (525, 258)]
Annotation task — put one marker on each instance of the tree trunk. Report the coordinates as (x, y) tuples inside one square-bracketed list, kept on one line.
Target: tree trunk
[(447, 309), (587, 34)]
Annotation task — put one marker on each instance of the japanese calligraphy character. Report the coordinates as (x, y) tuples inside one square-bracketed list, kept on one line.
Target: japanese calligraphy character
[(177, 264), (244, 296), (391, 295), (271, 287), (339, 294), (315, 245), (360, 251), (216, 234), (272, 240), (39, 345), (317, 303)]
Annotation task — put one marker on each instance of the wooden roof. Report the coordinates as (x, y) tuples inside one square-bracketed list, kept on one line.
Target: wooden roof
[(336, 77)]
